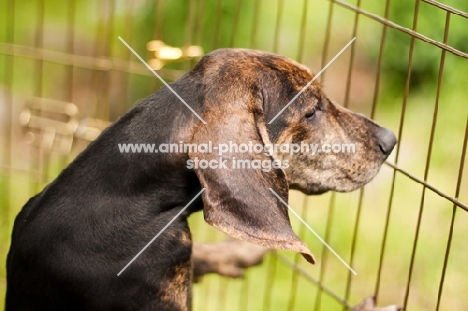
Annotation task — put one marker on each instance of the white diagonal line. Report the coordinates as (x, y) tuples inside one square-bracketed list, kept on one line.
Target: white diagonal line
[(312, 230), (162, 80), (159, 233), (313, 79)]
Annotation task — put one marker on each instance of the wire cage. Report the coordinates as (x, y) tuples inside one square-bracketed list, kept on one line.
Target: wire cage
[(65, 75)]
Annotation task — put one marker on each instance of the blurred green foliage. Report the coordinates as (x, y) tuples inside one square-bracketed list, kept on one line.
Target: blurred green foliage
[(431, 22)]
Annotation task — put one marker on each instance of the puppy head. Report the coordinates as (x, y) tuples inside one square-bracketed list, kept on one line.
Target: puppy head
[(328, 147), (243, 91)]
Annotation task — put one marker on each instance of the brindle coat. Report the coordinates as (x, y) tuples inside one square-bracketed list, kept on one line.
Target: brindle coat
[(70, 241)]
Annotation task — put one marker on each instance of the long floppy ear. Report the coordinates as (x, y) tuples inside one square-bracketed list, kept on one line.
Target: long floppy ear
[(237, 200)]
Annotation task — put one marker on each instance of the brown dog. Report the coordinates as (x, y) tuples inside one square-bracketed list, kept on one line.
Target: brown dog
[(70, 241)]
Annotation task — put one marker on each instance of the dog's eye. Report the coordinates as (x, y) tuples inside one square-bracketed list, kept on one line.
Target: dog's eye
[(310, 115)]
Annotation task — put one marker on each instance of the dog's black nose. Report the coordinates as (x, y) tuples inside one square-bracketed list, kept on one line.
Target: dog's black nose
[(387, 140)]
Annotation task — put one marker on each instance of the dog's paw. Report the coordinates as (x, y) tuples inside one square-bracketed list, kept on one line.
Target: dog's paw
[(229, 258), (368, 304)]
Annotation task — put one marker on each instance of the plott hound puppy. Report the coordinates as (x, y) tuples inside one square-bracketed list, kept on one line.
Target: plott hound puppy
[(70, 241)]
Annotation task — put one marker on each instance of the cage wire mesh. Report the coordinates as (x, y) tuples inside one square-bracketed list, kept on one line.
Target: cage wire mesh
[(65, 75)]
